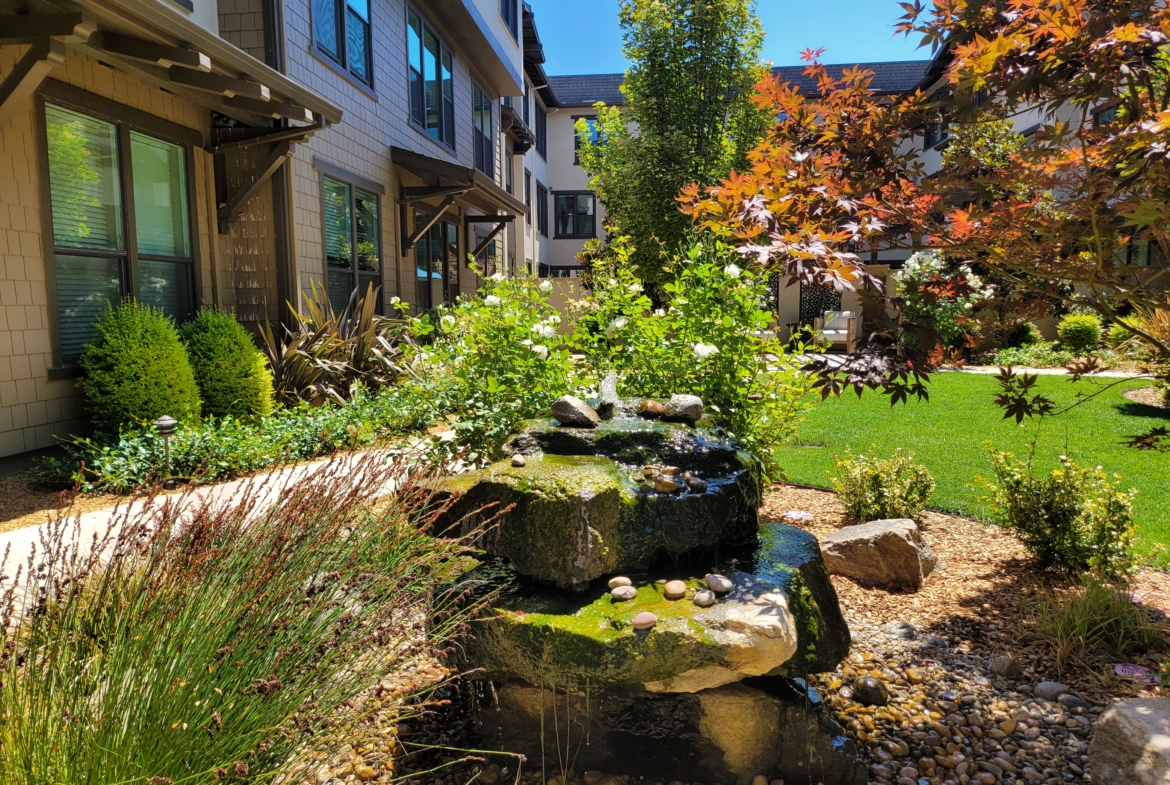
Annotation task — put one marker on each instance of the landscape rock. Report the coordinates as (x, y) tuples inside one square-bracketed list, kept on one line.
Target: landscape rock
[(645, 620), (719, 584), (870, 691), (675, 590), (880, 553), (651, 409), (900, 629), (705, 598), (519, 460), (1070, 701), (1006, 667), (620, 580), (1131, 743), (574, 412), (1049, 690), (683, 408), (623, 593)]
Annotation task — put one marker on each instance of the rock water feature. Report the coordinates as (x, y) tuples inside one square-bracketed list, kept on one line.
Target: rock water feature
[(646, 623)]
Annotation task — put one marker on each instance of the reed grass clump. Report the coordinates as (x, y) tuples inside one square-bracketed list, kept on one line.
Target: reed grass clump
[(194, 641)]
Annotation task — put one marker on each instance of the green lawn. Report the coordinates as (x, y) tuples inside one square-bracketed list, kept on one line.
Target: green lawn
[(951, 432)]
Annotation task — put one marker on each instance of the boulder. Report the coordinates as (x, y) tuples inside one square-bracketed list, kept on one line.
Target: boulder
[(728, 734), (1131, 743), (683, 408), (574, 412), (579, 509), (880, 553), (780, 619)]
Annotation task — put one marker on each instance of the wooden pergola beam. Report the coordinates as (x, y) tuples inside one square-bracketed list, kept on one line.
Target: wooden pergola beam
[(230, 209), (30, 71), (150, 51), (28, 28), (273, 109), (214, 83)]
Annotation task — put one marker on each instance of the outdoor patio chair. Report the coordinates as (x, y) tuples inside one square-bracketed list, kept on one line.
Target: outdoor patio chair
[(840, 328)]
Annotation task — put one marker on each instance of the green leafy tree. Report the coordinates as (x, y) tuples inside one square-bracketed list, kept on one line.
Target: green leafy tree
[(689, 118)]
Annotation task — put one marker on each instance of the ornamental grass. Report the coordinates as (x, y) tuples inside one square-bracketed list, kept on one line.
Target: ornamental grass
[(195, 641)]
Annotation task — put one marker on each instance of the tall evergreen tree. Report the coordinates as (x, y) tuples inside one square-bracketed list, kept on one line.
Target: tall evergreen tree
[(689, 117)]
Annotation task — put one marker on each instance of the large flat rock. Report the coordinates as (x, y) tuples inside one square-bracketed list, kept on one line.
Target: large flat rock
[(569, 519), (1131, 743), (781, 618)]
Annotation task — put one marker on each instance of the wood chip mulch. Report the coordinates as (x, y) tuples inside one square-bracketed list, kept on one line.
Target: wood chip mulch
[(1147, 396), (975, 599), (24, 504)]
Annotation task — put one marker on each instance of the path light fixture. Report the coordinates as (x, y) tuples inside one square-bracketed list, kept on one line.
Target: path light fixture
[(166, 426)]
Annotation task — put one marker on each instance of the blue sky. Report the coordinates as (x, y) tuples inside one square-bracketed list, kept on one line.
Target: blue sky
[(583, 37)]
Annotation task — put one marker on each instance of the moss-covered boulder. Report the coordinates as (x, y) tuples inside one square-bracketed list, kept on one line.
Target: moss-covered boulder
[(781, 618), (580, 507)]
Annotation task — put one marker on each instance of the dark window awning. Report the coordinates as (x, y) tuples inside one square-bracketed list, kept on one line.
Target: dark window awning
[(449, 181), (162, 47)]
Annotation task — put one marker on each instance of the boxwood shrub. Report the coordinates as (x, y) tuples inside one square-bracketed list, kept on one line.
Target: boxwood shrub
[(1080, 332), (232, 374), (136, 370)]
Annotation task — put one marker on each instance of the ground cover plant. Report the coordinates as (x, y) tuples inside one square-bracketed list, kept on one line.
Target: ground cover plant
[(208, 649), (950, 434)]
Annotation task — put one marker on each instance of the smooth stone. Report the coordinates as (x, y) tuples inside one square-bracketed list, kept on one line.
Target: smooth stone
[(719, 584), (675, 590), (620, 580), (645, 620), (870, 691), (574, 412), (1131, 743), (880, 553), (624, 593), (1006, 667), (696, 485), (1071, 701), (760, 779), (651, 409), (932, 642), (646, 487), (900, 629), (518, 460), (1049, 690), (665, 485), (671, 471), (650, 471), (684, 408), (705, 598)]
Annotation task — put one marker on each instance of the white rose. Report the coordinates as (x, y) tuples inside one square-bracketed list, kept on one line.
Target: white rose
[(635, 288), (546, 286), (492, 300), (732, 271), (527, 342), (554, 319), (497, 277), (705, 350), (617, 324), (548, 331), (612, 281), (447, 322), (660, 312), (540, 351)]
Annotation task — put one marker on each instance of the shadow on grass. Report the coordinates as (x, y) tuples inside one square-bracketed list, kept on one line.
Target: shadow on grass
[(1134, 409)]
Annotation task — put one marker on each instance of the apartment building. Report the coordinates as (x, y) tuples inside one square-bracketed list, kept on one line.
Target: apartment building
[(241, 154)]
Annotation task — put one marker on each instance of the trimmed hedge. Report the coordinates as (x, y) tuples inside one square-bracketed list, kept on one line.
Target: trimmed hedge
[(1080, 332), (232, 374), (136, 370)]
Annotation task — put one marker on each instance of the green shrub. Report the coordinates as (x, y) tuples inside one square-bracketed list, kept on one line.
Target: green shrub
[(1039, 355), (1073, 518), (136, 370), (222, 643), (1119, 334), (879, 488), (1025, 334), (1080, 332), (232, 374)]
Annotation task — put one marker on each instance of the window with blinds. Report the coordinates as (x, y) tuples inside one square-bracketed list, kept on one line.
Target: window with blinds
[(350, 213), (99, 255), (574, 216), (541, 208), (481, 122), (436, 255)]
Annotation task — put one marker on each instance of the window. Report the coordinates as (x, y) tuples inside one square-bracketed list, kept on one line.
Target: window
[(591, 134), (509, 171), (436, 257), (541, 209), (935, 134), (574, 214), (527, 197), (341, 29), (510, 14), (527, 105), (541, 131), (103, 251), (481, 120), (488, 259), (1104, 116), (352, 241), (432, 92)]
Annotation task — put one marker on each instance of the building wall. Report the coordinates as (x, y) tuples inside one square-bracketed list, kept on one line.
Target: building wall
[(33, 407), (241, 23), (566, 175)]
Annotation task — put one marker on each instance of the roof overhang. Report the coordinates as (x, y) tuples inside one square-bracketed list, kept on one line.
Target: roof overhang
[(513, 126), (465, 26), (164, 48), (534, 60)]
